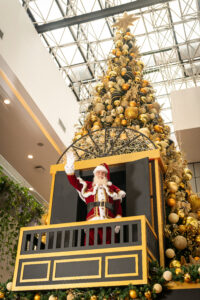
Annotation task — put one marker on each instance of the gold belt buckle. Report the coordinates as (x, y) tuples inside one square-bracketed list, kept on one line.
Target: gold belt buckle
[(103, 204)]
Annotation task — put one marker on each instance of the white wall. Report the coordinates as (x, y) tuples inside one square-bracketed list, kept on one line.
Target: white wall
[(186, 108), (25, 54)]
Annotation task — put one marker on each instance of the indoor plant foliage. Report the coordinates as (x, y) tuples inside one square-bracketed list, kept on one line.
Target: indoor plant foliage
[(17, 209)]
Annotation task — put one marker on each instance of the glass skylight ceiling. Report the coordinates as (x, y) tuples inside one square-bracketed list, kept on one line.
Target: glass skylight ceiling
[(168, 35)]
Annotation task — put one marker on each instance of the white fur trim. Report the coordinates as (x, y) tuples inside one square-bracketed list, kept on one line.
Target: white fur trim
[(121, 194), (69, 170), (83, 194), (100, 168)]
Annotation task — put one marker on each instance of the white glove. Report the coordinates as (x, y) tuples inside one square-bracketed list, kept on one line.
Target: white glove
[(117, 229), (69, 167)]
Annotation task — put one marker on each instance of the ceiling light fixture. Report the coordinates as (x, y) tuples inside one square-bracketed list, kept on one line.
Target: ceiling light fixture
[(30, 156), (6, 101)]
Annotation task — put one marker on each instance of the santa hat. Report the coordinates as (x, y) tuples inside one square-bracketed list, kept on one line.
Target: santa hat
[(104, 168)]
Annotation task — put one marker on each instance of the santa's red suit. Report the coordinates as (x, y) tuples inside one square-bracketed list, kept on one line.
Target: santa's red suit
[(91, 193), (103, 201)]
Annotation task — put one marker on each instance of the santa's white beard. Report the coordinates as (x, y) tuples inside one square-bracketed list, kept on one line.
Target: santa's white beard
[(100, 181)]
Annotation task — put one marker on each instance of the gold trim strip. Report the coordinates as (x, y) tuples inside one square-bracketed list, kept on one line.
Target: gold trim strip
[(17, 259), (111, 160), (151, 228), (80, 285), (48, 262), (151, 254), (159, 212), (107, 258), (175, 285), (51, 199), (81, 252), (30, 112), (99, 259), (144, 251)]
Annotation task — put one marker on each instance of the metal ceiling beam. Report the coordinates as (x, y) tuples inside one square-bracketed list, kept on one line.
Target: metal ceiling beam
[(99, 14)]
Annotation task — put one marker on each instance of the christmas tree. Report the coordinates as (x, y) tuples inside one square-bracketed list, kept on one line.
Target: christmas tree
[(123, 98)]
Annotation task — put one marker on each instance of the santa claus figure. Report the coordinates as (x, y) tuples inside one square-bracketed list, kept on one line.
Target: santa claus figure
[(103, 199)]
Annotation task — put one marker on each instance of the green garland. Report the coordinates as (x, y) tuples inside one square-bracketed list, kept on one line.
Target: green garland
[(117, 293), (17, 209)]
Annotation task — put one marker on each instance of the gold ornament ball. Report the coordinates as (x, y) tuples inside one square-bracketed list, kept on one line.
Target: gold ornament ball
[(167, 275), (132, 103), (187, 277), (157, 287), (37, 297), (182, 228), (192, 221), (125, 86), (117, 102), (172, 186), (53, 298), (180, 242), (123, 122), (158, 128), (173, 218), (147, 295), (170, 253), (175, 264), (9, 286), (132, 294), (197, 239), (178, 271), (1, 295), (181, 214), (171, 202), (131, 113), (199, 270), (94, 297)]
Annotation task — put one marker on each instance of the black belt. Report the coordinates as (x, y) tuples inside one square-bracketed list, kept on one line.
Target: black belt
[(91, 205)]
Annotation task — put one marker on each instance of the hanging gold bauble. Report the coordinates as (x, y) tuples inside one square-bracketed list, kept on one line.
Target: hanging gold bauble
[(125, 86), (167, 275), (180, 242), (118, 53), (171, 202), (94, 297), (117, 102), (182, 185), (175, 264), (157, 287), (187, 277), (170, 253), (172, 186), (192, 221), (197, 239), (140, 63), (132, 294), (144, 90), (143, 118), (182, 228), (1, 295), (137, 78), (37, 297), (147, 295), (117, 121), (181, 214), (143, 99), (145, 83), (109, 107), (132, 103), (131, 113), (178, 271), (109, 119), (158, 128), (173, 218), (53, 297), (119, 110), (121, 116), (93, 118), (123, 122), (113, 51)]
